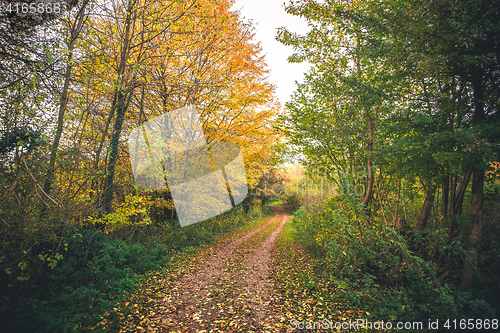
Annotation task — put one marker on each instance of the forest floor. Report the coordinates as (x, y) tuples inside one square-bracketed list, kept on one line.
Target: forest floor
[(225, 287)]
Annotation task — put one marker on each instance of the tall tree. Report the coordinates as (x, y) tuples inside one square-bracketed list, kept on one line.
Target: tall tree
[(455, 45), (75, 26), (335, 112), (130, 24), (440, 60)]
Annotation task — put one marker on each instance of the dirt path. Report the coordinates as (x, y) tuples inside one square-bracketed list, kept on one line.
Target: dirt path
[(230, 292), (254, 281)]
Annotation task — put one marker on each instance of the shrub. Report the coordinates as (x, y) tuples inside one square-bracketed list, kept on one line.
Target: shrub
[(292, 201), (371, 267)]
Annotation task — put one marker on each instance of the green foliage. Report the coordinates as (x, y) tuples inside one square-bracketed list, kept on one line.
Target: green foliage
[(492, 195), (133, 211), (19, 137), (407, 86)]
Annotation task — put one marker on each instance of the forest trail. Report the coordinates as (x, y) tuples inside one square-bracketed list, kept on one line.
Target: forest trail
[(227, 291)]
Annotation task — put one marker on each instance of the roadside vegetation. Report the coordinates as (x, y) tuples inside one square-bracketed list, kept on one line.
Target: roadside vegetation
[(397, 128), (100, 275)]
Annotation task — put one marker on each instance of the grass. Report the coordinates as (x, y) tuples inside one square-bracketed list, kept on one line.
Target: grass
[(305, 290)]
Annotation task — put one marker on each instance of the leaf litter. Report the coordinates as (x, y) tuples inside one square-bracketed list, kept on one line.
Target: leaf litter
[(223, 288)]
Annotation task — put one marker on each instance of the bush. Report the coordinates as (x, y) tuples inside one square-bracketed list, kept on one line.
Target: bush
[(371, 267), (292, 201)]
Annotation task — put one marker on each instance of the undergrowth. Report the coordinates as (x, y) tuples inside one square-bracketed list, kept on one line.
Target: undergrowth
[(339, 264)]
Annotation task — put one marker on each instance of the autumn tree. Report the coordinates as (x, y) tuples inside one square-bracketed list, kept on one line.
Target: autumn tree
[(179, 53), (75, 26)]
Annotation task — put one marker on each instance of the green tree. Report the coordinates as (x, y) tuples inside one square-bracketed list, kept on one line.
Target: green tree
[(449, 51), (437, 65), (334, 114)]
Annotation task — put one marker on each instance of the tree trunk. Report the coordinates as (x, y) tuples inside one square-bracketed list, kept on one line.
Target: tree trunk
[(457, 202), (113, 156), (75, 31), (95, 183), (371, 130), (121, 107), (427, 207), (476, 227), (445, 187), (369, 189), (104, 134)]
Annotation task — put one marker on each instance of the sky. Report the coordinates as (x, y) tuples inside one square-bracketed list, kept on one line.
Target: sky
[(267, 17)]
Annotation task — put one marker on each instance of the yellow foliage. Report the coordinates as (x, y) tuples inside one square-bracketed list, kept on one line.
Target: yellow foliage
[(133, 211)]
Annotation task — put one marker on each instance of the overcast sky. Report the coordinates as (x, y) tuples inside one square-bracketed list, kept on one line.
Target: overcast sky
[(267, 16)]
